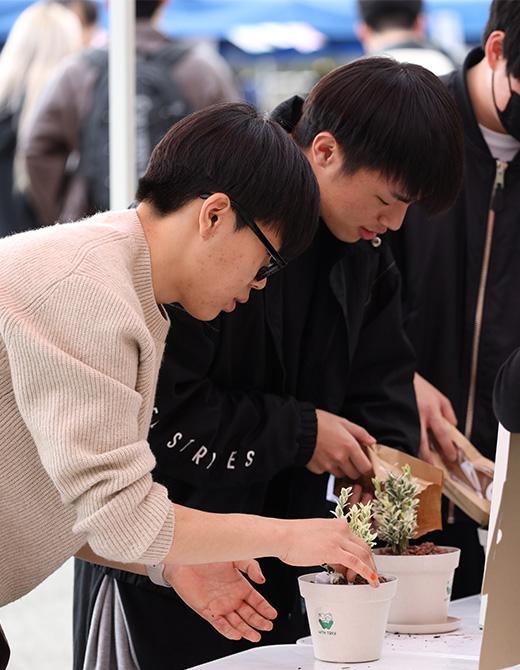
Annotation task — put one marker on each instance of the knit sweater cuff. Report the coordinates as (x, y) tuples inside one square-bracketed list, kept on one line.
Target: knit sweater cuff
[(160, 547), (128, 533), (308, 434)]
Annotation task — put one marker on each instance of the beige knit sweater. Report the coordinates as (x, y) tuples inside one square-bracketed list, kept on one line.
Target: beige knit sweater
[(81, 340)]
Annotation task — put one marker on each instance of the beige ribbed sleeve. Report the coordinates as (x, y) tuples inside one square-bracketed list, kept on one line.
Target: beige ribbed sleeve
[(81, 341), (77, 389)]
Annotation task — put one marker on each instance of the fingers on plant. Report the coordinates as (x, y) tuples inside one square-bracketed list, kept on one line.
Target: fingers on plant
[(359, 519)]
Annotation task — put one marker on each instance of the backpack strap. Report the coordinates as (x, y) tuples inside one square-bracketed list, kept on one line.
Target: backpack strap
[(169, 54), (97, 58)]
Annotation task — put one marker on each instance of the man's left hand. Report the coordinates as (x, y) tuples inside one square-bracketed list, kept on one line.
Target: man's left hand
[(220, 593)]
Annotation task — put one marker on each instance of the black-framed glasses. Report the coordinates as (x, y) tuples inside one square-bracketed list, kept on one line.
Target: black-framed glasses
[(276, 261)]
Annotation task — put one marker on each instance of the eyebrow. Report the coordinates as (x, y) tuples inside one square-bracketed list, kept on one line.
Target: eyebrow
[(402, 198)]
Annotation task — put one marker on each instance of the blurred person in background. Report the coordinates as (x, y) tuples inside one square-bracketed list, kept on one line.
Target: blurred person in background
[(67, 148), (42, 36), (5, 652), (396, 28), (506, 393), (255, 410), (88, 14), (460, 284)]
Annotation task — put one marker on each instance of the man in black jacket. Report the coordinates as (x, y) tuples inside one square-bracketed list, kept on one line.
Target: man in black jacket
[(258, 408), (506, 396), (460, 290)]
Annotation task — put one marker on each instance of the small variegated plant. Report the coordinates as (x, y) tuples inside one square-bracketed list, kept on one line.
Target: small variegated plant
[(395, 509), (359, 519)]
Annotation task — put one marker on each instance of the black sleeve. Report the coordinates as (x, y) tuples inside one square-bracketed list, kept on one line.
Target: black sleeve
[(381, 396), (506, 394), (207, 434)]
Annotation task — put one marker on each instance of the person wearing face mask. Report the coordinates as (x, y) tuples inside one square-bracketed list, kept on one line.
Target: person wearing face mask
[(460, 285)]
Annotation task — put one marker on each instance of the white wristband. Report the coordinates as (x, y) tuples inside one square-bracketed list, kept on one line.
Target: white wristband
[(156, 574)]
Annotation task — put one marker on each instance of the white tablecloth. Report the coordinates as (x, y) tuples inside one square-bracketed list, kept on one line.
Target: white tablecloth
[(458, 650)]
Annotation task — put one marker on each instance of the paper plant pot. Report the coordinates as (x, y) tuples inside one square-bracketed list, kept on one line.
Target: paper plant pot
[(347, 621), (424, 590)]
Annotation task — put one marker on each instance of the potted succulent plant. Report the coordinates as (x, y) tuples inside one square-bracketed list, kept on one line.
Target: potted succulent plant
[(347, 620), (425, 571)]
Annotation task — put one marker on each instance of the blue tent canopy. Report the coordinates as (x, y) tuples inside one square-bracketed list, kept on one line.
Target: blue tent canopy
[(334, 18), (215, 18)]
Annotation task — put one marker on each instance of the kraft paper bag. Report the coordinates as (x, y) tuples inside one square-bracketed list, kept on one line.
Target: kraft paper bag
[(386, 460), (469, 481)]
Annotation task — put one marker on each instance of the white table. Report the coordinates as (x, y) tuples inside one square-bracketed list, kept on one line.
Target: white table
[(453, 651)]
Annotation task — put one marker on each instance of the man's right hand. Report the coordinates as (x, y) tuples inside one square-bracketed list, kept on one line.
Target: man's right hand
[(338, 447), (434, 410), (317, 541)]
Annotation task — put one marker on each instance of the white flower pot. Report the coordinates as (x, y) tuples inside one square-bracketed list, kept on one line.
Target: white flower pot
[(424, 590), (347, 621)]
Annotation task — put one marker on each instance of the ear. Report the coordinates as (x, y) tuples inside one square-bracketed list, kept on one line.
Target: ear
[(325, 152), (494, 48), (363, 33), (419, 25), (214, 212)]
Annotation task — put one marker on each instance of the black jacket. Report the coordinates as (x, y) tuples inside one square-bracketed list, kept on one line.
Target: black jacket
[(441, 259), (15, 212), (8, 129), (235, 423), (506, 396), (237, 397)]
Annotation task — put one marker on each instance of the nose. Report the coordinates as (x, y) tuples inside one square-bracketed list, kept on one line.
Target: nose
[(258, 285), (395, 220)]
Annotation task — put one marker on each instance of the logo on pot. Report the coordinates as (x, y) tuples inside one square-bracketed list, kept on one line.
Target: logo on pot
[(326, 620)]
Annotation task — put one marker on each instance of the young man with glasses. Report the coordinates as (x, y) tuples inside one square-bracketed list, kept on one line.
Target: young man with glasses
[(257, 408), (82, 334), (275, 262)]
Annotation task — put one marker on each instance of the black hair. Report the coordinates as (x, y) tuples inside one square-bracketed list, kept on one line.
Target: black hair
[(145, 9), (88, 9), (90, 12), (384, 14), (505, 15), (231, 148), (394, 118)]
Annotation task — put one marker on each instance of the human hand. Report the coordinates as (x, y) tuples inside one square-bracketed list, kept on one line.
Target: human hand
[(221, 595), (434, 410), (339, 447), (317, 541), (360, 495)]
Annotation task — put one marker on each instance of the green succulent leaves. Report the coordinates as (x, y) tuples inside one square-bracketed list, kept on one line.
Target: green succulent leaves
[(395, 509)]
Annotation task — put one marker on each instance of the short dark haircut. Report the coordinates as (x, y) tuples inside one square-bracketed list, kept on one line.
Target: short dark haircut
[(90, 12), (384, 14), (505, 15), (145, 9), (88, 9), (231, 148), (394, 118)]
